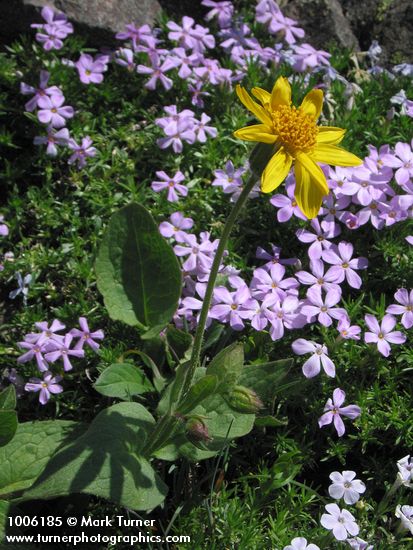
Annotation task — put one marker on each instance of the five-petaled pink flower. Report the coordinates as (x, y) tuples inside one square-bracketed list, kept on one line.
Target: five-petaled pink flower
[(334, 410), (173, 185), (383, 334), (405, 308)]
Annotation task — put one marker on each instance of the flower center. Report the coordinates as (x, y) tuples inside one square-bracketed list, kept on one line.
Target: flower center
[(88, 72), (296, 130), (274, 285), (409, 308), (320, 238), (234, 306), (44, 385), (333, 211), (54, 110), (347, 485), (344, 332), (323, 308), (320, 281), (171, 183), (345, 265), (380, 335), (293, 203)]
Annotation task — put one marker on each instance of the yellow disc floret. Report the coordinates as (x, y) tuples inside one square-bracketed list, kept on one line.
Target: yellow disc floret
[(296, 130)]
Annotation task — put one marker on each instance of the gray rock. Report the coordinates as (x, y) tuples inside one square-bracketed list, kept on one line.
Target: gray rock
[(102, 18), (323, 21)]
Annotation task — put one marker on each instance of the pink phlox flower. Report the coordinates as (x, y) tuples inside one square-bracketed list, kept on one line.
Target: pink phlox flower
[(125, 58), (402, 161), (287, 27), (319, 239), (34, 350), (345, 486), (340, 182), (273, 257), (357, 543), (184, 61), (229, 306), (333, 208), (81, 152), (62, 350), (306, 57), (90, 70), (52, 112), (136, 34), (317, 277), (229, 176), (54, 137), (372, 212), (397, 209), (155, 53), (221, 10), (177, 227), (405, 474), (285, 314), (404, 308), (344, 266), (318, 359), (347, 330), (176, 132), (371, 186), (273, 281), (341, 522), (46, 387), (41, 91), (300, 543), (200, 254), (173, 185), (4, 230), (266, 11), (195, 88), (85, 336), (156, 73), (333, 412), (287, 205), (184, 34), (323, 308), (201, 128), (383, 334)]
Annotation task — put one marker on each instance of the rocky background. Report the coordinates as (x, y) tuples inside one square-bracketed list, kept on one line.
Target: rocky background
[(351, 23)]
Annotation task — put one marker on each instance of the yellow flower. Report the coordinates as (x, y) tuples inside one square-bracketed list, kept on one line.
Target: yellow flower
[(295, 136)]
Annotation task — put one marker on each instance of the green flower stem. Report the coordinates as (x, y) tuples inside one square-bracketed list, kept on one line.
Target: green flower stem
[(196, 350)]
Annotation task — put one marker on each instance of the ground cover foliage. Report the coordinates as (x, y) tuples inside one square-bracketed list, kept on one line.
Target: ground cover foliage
[(259, 490)]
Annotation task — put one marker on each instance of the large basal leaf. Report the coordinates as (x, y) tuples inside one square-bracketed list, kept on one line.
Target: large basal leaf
[(265, 379), (123, 380), (137, 271), (23, 459), (105, 462), (8, 398), (8, 426), (228, 365), (223, 424), (4, 509)]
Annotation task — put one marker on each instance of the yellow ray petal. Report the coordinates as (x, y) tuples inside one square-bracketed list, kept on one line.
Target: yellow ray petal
[(336, 156), (281, 93), (276, 171), (262, 95), (330, 134), (313, 103), (252, 106), (256, 132), (317, 175), (307, 192)]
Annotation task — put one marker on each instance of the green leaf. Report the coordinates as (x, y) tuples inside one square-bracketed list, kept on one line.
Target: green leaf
[(270, 422), (8, 426), (265, 379), (222, 422), (4, 513), (197, 393), (122, 380), (23, 459), (228, 365), (178, 340), (105, 462), (8, 398), (137, 271)]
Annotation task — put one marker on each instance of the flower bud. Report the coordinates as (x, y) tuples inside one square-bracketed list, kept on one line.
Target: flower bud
[(244, 400), (196, 430)]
